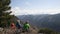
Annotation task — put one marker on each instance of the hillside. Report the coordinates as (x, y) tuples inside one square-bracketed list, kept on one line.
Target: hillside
[(43, 21), (9, 30)]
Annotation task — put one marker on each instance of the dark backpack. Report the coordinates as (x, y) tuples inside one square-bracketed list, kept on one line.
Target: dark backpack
[(18, 25)]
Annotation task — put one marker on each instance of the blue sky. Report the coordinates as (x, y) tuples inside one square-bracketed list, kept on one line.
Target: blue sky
[(24, 7)]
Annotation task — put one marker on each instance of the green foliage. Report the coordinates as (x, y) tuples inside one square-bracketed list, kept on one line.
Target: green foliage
[(46, 31), (4, 14)]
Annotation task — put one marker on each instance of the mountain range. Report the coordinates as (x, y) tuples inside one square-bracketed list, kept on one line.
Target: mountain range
[(43, 21)]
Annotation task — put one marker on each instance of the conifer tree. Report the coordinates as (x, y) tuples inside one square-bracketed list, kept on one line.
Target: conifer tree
[(4, 12)]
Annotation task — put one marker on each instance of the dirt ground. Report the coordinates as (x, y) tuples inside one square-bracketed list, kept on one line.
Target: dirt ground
[(14, 31)]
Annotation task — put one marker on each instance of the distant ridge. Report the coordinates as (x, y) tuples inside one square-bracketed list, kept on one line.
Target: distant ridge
[(43, 21)]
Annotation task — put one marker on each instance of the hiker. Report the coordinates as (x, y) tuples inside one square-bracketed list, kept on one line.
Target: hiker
[(12, 25), (26, 27), (19, 27)]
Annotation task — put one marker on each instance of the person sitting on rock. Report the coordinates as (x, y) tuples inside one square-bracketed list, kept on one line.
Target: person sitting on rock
[(26, 26)]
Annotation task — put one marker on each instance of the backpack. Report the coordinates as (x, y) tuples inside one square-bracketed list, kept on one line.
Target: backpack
[(18, 25)]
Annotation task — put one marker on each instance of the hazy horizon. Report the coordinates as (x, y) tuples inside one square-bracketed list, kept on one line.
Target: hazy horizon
[(33, 7)]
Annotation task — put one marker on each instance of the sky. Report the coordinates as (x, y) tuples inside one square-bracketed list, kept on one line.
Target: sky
[(25, 7)]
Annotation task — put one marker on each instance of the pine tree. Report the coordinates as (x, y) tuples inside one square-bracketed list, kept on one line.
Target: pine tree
[(4, 12)]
